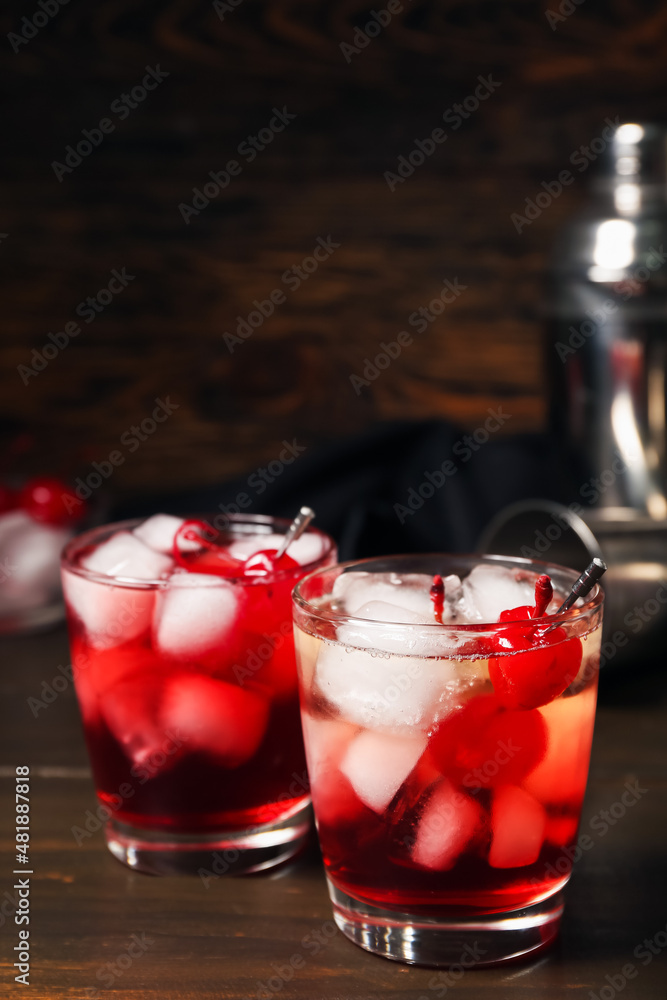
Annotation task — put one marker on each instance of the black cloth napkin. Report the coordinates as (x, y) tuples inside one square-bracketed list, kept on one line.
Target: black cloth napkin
[(399, 487)]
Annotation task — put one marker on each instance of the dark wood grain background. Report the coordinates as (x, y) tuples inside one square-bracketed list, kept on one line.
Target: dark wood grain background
[(162, 336)]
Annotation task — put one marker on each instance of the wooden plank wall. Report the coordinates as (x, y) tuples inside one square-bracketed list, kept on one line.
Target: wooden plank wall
[(555, 83)]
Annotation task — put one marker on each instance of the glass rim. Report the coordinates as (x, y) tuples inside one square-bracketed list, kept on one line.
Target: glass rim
[(593, 600), (75, 544)]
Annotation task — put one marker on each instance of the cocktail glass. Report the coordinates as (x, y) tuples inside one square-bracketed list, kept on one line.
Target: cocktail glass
[(448, 762), (183, 660)]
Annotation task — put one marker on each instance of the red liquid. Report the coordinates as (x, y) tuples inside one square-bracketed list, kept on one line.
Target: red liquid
[(472, 828), (381, 872), (194, 741)]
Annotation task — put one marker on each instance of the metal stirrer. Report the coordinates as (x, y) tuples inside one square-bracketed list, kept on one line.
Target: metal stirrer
[(295, 530), (582, 586)]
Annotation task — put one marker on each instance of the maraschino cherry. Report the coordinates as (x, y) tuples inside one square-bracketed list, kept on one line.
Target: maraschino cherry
[(269, 560), (544, 661), (44, 499), (208, 557)]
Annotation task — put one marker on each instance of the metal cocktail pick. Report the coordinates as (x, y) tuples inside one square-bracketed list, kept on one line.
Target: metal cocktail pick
[(295, 530), (586, 582), (582, 586)]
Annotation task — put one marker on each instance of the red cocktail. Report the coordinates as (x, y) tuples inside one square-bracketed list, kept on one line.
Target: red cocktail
[(448, 727), (183, 655)]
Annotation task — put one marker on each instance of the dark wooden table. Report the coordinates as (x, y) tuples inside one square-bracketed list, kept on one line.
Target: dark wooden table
[(272, 936)]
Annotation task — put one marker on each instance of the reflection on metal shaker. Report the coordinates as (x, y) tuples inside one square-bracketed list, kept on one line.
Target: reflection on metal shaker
[(607, 356)]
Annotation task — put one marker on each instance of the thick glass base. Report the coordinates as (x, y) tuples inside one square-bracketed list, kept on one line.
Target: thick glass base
[(211, 855), (459, 942)]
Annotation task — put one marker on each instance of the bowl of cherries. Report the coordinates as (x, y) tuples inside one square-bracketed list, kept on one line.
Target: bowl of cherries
[(36, 521)]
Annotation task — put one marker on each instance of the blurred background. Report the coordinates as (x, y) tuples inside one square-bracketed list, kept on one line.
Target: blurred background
[(405, 143)]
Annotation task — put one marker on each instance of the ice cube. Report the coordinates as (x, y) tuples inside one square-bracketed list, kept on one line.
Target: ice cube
[(196, 613), (447, 824), (518, 824), (377, 764), (110, 615), (243, 548), (109, 667), (380, 611), (29, 561), (101, 671), (86, 694), (306, 549), (381, 691), (159, 531), (125, 556), (131, 712), (326, 742), (275, 672), (223, 720), (488, 590), (453, 594), (394, 636), (561, 830), (410, 591), (387, 639)]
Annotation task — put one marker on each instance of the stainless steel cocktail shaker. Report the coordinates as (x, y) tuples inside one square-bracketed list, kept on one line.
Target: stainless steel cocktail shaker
[(607, 352), (606, 356)]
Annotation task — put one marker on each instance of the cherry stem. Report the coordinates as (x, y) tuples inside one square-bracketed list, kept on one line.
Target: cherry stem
[(544, 593), (187, 533), (437, 594)]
